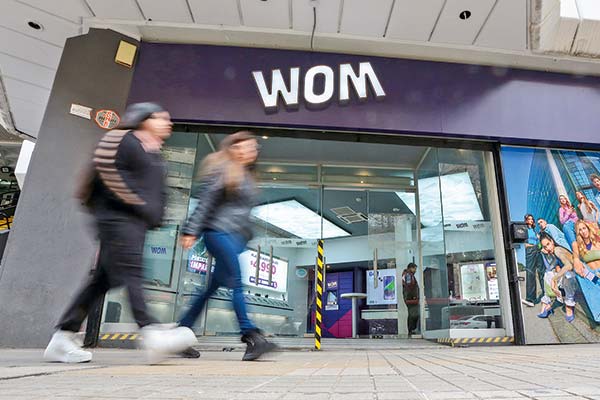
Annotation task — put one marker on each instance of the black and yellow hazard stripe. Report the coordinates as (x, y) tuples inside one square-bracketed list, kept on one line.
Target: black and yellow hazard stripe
[(119, 340), (119, 336), (480, 341), (319, 313)]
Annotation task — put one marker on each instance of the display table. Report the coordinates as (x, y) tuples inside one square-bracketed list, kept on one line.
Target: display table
[(354, 297)]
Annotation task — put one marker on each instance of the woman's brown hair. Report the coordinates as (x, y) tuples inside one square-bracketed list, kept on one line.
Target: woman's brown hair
[(594, 236), (221, 161)]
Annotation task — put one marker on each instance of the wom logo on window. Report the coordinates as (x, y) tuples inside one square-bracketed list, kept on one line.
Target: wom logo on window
[(348, 79)]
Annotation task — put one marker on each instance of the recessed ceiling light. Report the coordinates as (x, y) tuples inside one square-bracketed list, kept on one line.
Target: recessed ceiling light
[(35, 25), (298, 220), (466, 14)]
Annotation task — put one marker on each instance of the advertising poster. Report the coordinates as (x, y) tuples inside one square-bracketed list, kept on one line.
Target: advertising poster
[(558, 193), (473, 282), (492, 281), (385, 292), (248, 264), (198, 261)]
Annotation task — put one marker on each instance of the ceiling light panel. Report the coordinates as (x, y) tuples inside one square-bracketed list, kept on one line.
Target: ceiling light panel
[(266, 14), (298, 220), (55, 30), (366, 18), (328, 13), (171, 11), (494, 33), (414, 20), (116, 9), (452, 29), (215, 12), (458, 199), (72, 10)]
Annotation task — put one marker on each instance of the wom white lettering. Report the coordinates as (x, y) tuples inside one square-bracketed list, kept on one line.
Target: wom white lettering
[(290, 92)]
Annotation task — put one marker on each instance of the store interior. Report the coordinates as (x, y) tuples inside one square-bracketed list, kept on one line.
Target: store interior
[(377, 204)]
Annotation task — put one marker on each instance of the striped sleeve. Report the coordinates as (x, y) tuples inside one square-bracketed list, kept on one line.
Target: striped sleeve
[(105, 158)]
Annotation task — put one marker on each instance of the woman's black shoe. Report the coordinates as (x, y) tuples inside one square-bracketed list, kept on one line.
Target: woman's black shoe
[(190, 352), (256, 345)]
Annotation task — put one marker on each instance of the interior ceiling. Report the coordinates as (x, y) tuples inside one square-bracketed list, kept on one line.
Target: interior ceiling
[(314, 152), (489, 32)]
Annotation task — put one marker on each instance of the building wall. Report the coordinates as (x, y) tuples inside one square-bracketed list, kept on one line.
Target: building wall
[(50, 249)]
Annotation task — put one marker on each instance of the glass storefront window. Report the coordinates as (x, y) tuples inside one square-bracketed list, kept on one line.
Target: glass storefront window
[(459, 238), (393, 205)]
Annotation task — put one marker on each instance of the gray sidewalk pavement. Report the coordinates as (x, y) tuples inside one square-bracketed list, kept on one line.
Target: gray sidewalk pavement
[(533, 372)]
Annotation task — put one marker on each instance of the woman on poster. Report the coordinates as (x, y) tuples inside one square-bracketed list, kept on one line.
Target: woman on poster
[(586, 251), (568, 217), (559, 274), (588, 210)]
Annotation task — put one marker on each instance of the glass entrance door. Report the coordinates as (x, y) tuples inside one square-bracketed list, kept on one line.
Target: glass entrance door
[(368, 259)]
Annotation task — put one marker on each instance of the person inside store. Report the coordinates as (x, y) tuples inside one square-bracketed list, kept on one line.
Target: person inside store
[(123, 188), (588, 209), (225, 196), (410, 291), (586, 251), (552, 230), (559, 274), (533, 264), (568, 217)]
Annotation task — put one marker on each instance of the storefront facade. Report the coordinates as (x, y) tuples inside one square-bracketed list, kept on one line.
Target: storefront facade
[(390, 161), (462, 249)]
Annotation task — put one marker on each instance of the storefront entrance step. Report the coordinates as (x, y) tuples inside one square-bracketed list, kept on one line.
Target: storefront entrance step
[(479, 341), (232, 343)]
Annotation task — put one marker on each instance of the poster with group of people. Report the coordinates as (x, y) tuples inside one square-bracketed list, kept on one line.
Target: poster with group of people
[(558, 197)]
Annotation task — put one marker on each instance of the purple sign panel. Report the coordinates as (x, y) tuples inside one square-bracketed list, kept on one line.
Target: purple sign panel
[(232, 85)]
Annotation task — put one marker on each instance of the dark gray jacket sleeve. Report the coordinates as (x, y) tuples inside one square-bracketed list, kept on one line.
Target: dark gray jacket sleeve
[(208, 193)]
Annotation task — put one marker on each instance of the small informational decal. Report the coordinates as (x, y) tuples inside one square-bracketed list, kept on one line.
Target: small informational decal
[(81, 111), (107, 119)]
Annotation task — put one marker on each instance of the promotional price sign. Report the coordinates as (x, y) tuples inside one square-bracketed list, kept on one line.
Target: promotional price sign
[(198, 263), (248, 261)]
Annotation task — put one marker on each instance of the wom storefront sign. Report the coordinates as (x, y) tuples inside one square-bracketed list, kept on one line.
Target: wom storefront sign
[(322, 76)]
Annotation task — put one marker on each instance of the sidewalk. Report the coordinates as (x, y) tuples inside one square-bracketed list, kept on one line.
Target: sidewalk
[(540, 372)]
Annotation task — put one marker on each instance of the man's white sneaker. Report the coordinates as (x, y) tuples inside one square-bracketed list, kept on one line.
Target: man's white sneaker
[(63, 348), (160, 342)]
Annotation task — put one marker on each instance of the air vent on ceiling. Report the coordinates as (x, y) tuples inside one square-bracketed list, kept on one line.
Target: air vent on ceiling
[(343, 211), (353, 218)]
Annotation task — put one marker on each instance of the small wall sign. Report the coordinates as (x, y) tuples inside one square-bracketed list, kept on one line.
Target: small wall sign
[(107, 119)]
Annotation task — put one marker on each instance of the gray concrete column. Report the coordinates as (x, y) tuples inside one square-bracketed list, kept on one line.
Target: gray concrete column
[(50, 248)]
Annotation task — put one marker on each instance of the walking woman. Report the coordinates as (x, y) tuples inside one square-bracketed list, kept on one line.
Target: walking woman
[(568, 217), (225, 197)]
